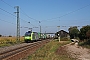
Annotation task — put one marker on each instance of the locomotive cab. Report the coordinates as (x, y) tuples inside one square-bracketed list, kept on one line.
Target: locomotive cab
[(31, 36), (27, 37)]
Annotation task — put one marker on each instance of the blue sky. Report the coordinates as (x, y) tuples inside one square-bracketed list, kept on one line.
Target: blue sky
[(51, 13)]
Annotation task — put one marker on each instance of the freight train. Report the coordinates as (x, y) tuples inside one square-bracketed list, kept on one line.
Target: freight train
[(33, 36)]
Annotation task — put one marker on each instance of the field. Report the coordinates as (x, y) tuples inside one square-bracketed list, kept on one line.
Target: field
[(49, 52), (6, 41)]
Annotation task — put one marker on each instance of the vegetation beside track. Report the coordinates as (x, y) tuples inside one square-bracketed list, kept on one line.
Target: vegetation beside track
[(48, 52), (7, 41), (83, 35), (85, 44)]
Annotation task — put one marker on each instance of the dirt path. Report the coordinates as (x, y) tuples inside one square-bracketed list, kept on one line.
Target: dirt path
[(77, 52)]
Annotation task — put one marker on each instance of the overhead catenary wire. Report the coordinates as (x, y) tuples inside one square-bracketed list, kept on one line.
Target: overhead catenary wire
[(51, 18), (23, 14), (10, 13), (21, 11), (28, 16), (11, 23), (7, 3), (64, 26), (69, 13), (7, 12), (9, 16), (15, 16), (47, 19), (7, 21)]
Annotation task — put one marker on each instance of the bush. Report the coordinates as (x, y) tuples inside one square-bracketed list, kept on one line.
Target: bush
[(9, 36), (0, 35), (64, 39), (85, 44)]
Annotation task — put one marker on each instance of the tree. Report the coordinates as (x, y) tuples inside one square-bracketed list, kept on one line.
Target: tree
[(73, 32), (88, 34), (0, 35), (9, 36), (83, 32)]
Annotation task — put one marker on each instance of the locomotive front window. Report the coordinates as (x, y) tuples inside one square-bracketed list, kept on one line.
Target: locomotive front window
[(27, 34)]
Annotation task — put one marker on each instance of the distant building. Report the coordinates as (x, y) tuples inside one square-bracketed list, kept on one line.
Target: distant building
[(62, 34)]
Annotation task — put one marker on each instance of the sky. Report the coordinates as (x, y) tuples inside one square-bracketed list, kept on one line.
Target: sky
[(45, 13)]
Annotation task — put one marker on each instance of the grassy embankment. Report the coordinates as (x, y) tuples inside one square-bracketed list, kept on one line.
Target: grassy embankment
[(48, 52), (7, 41)]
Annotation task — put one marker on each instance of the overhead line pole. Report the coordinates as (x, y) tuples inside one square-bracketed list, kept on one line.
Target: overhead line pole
[(59, 33), (40, 29), (18, 24)]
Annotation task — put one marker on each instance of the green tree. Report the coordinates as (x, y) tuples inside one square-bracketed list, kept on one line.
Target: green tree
[(73, 32), (9, 36), (88, 34), (83, 32), (0, 35)]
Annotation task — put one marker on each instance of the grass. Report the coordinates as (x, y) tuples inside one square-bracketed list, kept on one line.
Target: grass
[(47, 52), (7, 41)]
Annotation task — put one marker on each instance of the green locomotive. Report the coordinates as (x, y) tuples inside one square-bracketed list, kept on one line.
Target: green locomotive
[(33, 36)]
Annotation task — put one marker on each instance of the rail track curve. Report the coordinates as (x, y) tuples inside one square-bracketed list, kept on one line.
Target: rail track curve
[(22, 51)]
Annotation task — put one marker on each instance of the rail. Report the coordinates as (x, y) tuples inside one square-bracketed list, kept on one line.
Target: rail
[(16, 53)]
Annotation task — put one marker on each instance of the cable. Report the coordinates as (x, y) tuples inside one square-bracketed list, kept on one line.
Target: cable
[(7, 15), (7, 12), (28, 16), (22, 11), (12, 14), (47, 19), (7, 22), (69, 12), (7, 3), (11, 7)]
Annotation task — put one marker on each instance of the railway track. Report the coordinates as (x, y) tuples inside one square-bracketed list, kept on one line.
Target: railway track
[(21, 52)]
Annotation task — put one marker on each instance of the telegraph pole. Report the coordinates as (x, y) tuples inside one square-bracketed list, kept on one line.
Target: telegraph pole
[(59, 33), (18, 24), (58, 28), (40, 29)]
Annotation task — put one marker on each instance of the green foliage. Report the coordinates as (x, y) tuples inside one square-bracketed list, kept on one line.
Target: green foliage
[(64, 39), (0, 35), (83, 31), (9, 36), (85, 44), (88, 34), (73, 31)]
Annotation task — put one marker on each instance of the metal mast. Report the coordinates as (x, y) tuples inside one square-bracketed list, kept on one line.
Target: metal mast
[(18, 24), (40, 29)]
